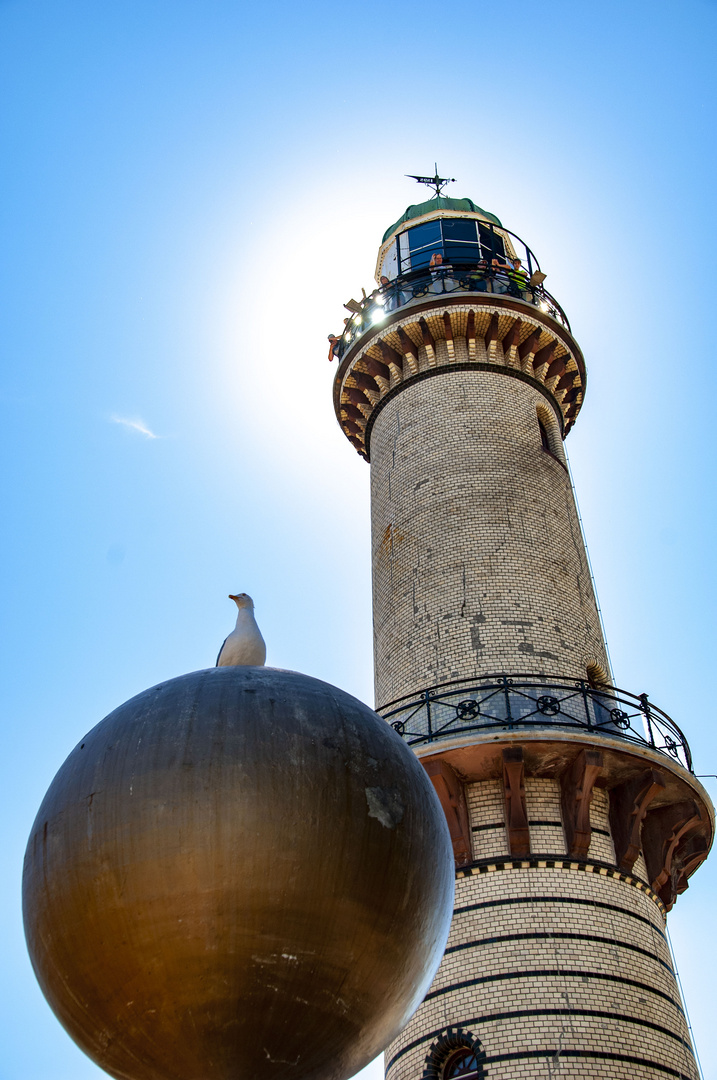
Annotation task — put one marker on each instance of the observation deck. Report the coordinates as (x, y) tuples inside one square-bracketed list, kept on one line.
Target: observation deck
[(482, 313), (548, 727)]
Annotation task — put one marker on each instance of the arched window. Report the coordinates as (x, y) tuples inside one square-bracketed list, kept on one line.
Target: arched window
[(456, 1055), (550, 439), (463, 1064), (544, 436)]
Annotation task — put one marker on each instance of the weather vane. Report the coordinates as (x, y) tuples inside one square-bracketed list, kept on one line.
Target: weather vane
[(437, 182)]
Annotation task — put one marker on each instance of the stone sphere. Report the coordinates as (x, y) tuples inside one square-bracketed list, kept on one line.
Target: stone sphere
[(242, 873)]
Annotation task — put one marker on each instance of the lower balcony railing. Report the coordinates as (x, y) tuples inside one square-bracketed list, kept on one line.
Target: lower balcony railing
[(531, 702)]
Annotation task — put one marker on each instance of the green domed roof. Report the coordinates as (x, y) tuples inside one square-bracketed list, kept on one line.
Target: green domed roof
[(440, 203)]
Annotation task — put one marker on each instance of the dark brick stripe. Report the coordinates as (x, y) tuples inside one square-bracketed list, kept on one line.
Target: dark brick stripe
[(587, 866), (479, 980), (560, 900), (552, 824), (600, 1014), (558, 937), (591, 1054), (562, 862)]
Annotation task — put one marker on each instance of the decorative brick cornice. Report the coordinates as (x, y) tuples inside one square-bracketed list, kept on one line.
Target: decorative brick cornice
[(457, 333)]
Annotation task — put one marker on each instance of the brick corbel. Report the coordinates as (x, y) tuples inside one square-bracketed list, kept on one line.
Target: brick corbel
[(576, 787), (516, 812), (471, 334), (448, 331), (512, 334), (392, 358), (449, 790), (353, 426), (565, 381), (530, 345), (629, 803), (357, 443), (544, 356), (556, 369), (352, 410), (428, 342), (380, 372), (366, 382), (357, 397), (409, 350), (491, 335)]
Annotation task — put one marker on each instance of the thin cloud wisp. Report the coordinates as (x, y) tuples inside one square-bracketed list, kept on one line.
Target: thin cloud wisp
[(135, 425)]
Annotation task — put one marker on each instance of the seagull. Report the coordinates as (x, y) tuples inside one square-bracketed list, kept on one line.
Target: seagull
[(245, 645)]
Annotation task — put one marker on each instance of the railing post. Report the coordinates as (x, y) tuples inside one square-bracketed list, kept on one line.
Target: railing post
[(506, 692), (583, 688), (427, 695), (646, 710)]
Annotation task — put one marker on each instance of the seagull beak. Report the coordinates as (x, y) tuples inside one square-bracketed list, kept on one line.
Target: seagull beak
[(232, 597)]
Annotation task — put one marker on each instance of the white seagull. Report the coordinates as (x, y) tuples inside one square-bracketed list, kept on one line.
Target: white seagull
[(245, 645)]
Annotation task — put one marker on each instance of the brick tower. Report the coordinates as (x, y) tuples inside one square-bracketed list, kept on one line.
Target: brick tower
[(575, 815)]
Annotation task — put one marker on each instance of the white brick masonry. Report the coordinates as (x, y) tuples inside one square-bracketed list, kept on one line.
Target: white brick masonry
[(478, 560), (558, 971)]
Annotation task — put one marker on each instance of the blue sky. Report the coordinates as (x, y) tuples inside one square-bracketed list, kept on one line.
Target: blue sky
[(189, 192)]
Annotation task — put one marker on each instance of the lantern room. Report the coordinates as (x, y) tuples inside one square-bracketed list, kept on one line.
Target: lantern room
[(456, 232)]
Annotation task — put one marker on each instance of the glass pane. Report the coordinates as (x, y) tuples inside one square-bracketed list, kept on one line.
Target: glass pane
[(459, 230), (463, 1065), (491, 243), (461, 253), (430, 233), (423, 257)]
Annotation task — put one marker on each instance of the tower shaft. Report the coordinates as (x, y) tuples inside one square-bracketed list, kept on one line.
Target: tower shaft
[(478, 559)]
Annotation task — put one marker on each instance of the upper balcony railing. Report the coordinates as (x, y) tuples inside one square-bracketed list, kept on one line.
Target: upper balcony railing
[(409, 288), (498, 703)]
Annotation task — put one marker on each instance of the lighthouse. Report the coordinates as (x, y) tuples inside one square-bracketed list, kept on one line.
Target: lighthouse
[(574, 812)]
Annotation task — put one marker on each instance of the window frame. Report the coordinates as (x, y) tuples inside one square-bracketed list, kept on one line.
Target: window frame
[(486, 244), (455, 1057)]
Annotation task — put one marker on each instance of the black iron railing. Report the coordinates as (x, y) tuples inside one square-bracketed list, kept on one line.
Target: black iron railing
[(372, 310), (525, 702)]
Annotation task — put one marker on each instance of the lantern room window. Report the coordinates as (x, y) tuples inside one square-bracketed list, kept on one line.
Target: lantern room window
[(460, 241), (423, 242), (491, 243)]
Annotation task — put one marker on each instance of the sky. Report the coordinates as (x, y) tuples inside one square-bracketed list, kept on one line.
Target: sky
[(189, 191)]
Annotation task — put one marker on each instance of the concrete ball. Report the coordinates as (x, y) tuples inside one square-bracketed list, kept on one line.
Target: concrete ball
[(240, 874)]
